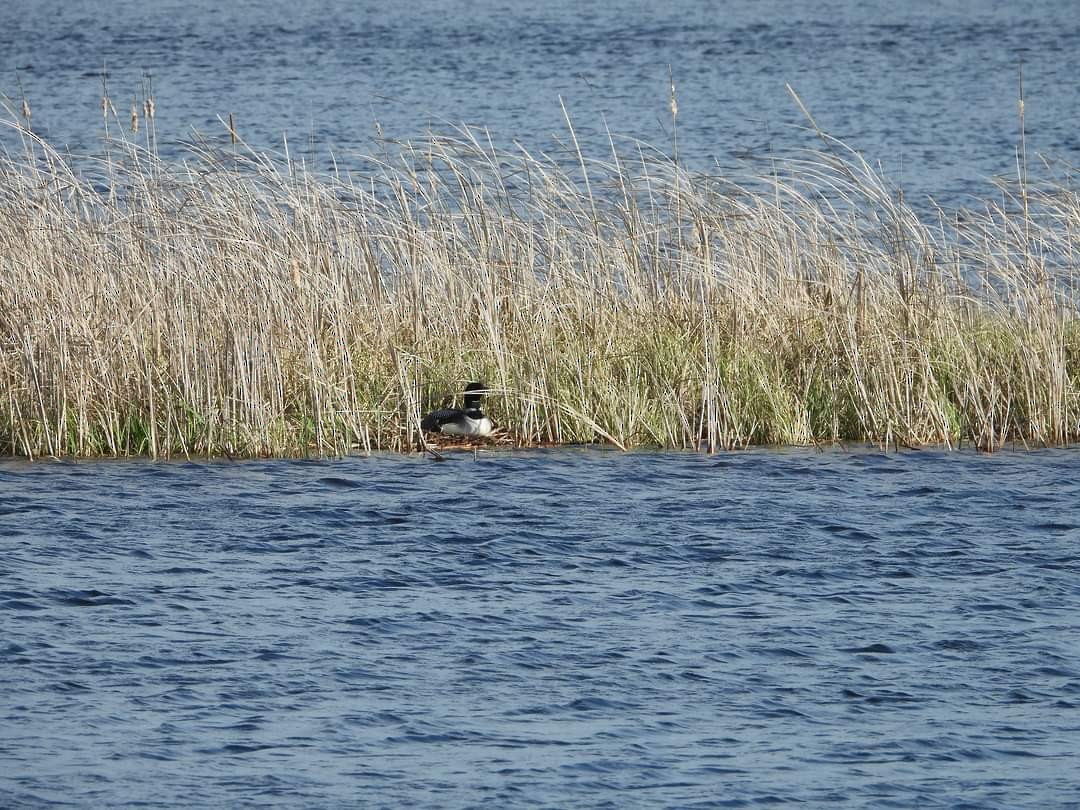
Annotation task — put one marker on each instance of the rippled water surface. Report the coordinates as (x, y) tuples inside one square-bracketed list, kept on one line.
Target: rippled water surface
[(929, 88), (566, 628)]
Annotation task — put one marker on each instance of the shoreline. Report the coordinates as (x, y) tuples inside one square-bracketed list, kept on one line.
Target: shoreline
[(438, 453)]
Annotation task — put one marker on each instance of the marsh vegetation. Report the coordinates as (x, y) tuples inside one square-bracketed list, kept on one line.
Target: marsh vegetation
[(237, 303)]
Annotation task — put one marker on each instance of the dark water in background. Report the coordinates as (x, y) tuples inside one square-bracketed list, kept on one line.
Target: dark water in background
[(927, 88), (571, 628)]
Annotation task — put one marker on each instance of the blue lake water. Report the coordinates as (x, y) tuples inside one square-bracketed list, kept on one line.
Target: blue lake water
[(555, 628), (927, 88)]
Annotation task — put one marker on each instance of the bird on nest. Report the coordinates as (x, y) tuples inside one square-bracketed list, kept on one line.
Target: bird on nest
[(467, 421)]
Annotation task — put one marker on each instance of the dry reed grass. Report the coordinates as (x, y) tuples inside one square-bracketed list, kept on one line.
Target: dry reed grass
[(237, 304)]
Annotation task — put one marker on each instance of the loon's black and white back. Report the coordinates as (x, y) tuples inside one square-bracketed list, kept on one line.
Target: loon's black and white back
[(467, 421)]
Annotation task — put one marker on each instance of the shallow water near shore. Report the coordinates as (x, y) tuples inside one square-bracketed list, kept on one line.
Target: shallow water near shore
[(549, 628)]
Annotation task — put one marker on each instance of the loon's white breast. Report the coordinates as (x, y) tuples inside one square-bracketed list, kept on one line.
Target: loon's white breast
[(462, 424)]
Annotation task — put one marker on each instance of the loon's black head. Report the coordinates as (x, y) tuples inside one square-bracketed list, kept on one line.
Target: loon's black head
[(471, 399)]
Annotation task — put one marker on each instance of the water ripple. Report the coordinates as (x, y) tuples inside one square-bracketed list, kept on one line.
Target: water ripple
[(592, 628)]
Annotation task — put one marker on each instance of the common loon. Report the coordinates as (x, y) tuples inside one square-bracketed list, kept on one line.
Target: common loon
[(469, 421)]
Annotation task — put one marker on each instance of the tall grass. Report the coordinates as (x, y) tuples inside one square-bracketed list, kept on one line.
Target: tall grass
[(234, 303)]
